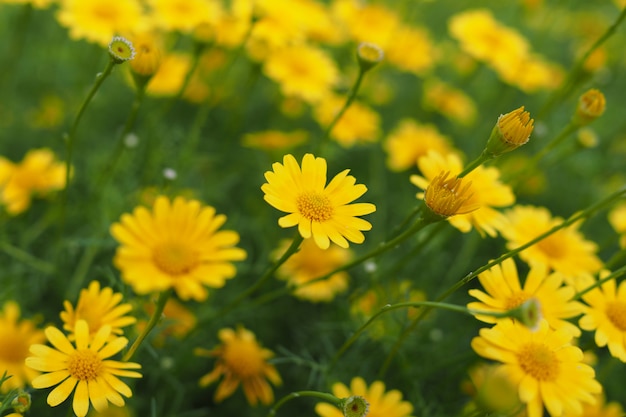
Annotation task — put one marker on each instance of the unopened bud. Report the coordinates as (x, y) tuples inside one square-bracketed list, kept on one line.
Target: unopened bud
[(591, 105), (369, 55), (511, 131)]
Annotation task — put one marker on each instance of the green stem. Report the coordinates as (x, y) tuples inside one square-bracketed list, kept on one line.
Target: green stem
[(615, 274), (26, 258), (156, 316), (482, 158), (315, 394)]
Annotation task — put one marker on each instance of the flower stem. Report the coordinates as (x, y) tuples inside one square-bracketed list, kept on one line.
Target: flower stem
[(26, 258), (156, 316), (482, 158), (315, 394), (615, 274)]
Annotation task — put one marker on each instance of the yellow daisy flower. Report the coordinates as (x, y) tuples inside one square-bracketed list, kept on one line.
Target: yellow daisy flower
[(487, 191), (176, 245), (381, 403), (358, 124), (15, 337), (565, 251), (504, 292), (84, 369), (410, 140), (241, 360), (311, 262), (543, 364), (606, 315), (617, 218), (319, 210), (450, 102), (184, 15), (98, 307), (38, 174), (417, 40)]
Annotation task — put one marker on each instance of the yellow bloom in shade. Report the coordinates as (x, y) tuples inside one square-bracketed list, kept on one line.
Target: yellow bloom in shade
[(503, 292), (617, 218), (359, 123), (241, 360), (591, 105), (177, 321), (319, 210), (148, 54), (184, 15), (311, 262), (487, 192), (302, 71), (565, 251), (606, 315), (381, 403), (15, 338), (98, 21), (39, 173), (176, 245), (98, 307), (452, 103), (84, 369), (409, 140), (543, 364)]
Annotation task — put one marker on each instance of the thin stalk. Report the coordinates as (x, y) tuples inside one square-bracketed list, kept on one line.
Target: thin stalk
[(615, 274), (482, 158), (26, 258), (315, 394), (156, 316)]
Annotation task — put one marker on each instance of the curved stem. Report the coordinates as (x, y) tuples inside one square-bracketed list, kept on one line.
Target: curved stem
[(315, 394), (156, 316)]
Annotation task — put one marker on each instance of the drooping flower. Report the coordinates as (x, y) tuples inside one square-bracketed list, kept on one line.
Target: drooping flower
[(15, 338), (98, 307), (565, 251), (241, 360), (543, 364), (84, 368), (382, 403), (487, 192), (320, 211), (38, 174), (309, 263), (176, 245), (503, 292)]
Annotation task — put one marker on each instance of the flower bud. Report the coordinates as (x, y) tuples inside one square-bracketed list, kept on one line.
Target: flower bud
[(590, 106), (369, 55), (446, 197), (528, 313), (121, 50), (355, 406), (511, 131), (21, 403)]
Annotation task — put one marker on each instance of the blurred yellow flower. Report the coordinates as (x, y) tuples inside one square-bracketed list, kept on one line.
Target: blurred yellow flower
[(98, 307), (233, 25), (320, 211), (98, 21), (175, 245), (544, 366), (600, 408), (358, 124), (86, 369), (503, 292), (367, 22), (487, 192), (241, 360), (148, 53), (16, 336), (452, 103), (302, 71), (49, 113), (492, 392), (184, 15), (617, 218), (382, 403), (37, 175), (410, 140), (412, 50), (177, 321), (309, 263), (565, 251), (275, 140), (169, 78)]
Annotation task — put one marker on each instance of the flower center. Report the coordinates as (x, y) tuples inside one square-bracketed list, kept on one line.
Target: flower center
[(616, 312), (553, 247), (314, 206), (84, 365), (516, 300), (538, 361), (175, 258), (243, 358)]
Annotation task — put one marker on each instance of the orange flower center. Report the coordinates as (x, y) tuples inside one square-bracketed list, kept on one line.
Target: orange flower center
[(314, 206), (616, 312), (84, 365), (243, 358), (538, 361), (175, 258), (516, 300)]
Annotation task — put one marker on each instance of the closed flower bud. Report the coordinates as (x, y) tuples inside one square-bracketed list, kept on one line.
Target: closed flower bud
[(528, 313), (511, 131), (369, 55), (590, 106)]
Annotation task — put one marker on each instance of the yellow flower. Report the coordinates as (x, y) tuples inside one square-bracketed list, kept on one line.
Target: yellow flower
[(503, 292), (492, 392), (99, 20), (511, 131), (170, 76), (311, 262), (177, 321), (275, 140), (600, 409), (121, 50), (591, 105), (184, 15), (359, 123), (84, 369), (15, 338), (176, 245), (233, 26), (449, 197), (367, 22), (38, 174), (412, 50), (452, 103), (487, 192), (148, 54), (302, 71), (544, 366), (606, 315), (565, 251), (319, 210), (381, 403), (98, 308), (411, 140), (241, 360), (617, 218)]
